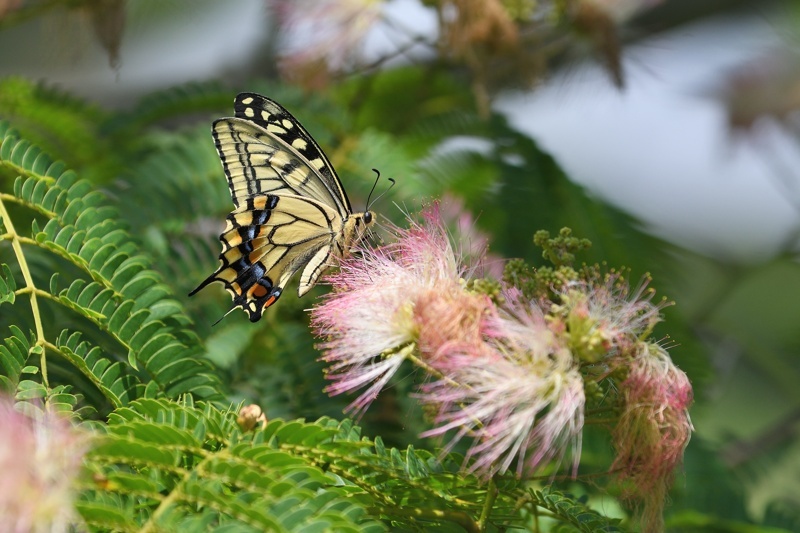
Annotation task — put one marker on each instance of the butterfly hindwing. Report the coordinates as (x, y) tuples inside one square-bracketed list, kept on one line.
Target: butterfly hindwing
[(266, 241)]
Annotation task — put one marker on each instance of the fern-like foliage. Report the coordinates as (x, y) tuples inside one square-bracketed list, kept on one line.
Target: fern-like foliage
[(183, 201), (66, 127), (131, 338), (570, 514), (166, 466), (170, 103)]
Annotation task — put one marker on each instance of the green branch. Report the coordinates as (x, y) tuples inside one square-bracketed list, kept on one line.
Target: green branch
[(11, 198), (16, 245), (437, 515), (78, 363), (61, 252)]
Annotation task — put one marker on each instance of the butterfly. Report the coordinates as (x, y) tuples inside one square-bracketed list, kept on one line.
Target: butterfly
[(290, 211)]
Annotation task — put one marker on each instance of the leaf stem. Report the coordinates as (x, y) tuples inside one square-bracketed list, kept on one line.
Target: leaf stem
[(19, 201), (437, 515), (488, 505), (175, 495), (26, 275), (409, 355)]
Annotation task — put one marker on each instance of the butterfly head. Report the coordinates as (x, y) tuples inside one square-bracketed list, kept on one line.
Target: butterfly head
[(354, 230)]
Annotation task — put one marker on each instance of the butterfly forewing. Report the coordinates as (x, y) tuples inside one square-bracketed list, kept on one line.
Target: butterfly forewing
[(277, 121), (256, 163)]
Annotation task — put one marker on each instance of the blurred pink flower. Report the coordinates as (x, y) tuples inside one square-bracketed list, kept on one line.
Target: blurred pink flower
[(519, 395), (7, 6), (762, 89), (653, 430), (40, 460), (327, 31), (599, 22)]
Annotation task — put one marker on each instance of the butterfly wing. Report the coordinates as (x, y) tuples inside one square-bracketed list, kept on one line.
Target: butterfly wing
[(265, 150), (266, 240)]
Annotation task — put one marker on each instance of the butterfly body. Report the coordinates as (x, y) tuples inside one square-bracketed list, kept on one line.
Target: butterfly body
[(290, 211)]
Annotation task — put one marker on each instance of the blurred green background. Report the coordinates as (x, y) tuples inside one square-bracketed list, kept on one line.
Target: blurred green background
[(671, 133)]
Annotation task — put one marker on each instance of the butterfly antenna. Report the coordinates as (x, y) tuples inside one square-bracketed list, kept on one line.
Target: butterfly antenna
[(376, 171)]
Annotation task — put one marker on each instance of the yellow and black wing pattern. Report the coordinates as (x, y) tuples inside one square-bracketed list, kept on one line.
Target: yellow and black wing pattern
[(290, 210)]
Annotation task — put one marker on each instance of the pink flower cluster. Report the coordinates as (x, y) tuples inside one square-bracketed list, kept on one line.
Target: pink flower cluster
[(516, 392), (653, 431), (40, 458), (508, 376), (373, 319), (326, 35)]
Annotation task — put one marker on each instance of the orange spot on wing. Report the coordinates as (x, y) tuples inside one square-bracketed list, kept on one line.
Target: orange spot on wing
[(270, 301), (259, 291)]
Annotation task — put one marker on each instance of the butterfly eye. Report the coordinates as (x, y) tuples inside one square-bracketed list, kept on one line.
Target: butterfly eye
[(368, 217)]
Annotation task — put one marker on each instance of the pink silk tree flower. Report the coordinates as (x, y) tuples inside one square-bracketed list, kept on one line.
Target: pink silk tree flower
[(449, 315), (519, 396), (603, 320), (370, 321), (367, 323), (653, 430), (40, 459)]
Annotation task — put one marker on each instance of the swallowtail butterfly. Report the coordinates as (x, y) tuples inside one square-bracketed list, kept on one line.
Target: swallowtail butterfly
[(290, 211)]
